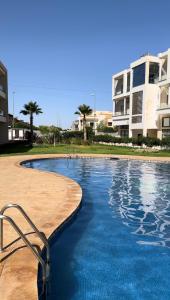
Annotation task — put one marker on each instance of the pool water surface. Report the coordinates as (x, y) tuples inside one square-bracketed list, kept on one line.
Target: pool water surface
[(118, 245)]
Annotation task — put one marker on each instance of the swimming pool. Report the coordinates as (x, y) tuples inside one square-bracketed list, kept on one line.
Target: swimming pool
[(118, 246)]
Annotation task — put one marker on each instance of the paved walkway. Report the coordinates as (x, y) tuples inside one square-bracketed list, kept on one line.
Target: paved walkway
[(48, 199)]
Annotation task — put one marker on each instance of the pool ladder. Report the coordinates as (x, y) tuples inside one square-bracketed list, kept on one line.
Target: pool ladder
[(45, 263)]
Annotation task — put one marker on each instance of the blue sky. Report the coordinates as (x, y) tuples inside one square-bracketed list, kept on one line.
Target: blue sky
[(59, 51)]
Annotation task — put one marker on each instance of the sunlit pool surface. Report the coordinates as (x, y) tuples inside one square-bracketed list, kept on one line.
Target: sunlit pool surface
[(118, 246)]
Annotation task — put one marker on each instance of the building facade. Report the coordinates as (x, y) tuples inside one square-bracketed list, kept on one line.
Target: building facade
[(3, 105), (141, 97), (94, 120)]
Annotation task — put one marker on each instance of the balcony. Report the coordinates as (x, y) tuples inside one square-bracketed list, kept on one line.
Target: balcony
[(163, 108), (120, 119), (120, 113)]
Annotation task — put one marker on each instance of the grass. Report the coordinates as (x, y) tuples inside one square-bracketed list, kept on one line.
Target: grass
[(74, 149)]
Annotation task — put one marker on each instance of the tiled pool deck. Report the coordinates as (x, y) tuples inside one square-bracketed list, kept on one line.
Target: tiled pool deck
[(48, 199)]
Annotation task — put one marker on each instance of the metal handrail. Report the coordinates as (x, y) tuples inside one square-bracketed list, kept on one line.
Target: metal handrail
[(29, 245), (40, 235)]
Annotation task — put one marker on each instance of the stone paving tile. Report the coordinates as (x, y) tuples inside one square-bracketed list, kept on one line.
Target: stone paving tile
[(49, 199)]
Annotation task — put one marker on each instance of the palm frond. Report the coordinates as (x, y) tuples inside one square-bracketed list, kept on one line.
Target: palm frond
[(24, 112)]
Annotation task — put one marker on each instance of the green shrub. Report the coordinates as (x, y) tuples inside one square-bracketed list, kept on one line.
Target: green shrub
[(85, 143), (72, 134), (76, 141), (148, 141), (76, 137), (106, 138), (165, 142), (90, 133), (107, 129)]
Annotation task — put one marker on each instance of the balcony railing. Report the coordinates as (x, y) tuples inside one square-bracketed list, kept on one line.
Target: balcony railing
[(163, 106), (120, 113)]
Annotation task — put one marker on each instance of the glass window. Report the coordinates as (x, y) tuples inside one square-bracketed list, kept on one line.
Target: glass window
[(166, 122), (137, 103), (128, 82), (119, 86), (164, 98), (153, 72), (137, 119), (164, 69), (109, 123), (139, 75), (127, 105), (119, 106)]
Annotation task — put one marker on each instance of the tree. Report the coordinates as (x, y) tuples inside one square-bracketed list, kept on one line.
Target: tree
[(30, 109), (103, 128), (55, 131), (84, 110), (50, 133)]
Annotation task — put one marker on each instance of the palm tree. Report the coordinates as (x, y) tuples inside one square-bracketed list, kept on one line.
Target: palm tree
[(31, 108), (84, 110)]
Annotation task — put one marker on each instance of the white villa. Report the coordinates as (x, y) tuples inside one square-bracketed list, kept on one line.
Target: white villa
[(94, 120), (141, 97)]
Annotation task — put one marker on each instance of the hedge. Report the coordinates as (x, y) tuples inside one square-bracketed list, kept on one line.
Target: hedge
[(148, 141), (111, 139), (72, 134)]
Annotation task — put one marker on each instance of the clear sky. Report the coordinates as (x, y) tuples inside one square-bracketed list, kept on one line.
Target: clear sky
[(59, 51)]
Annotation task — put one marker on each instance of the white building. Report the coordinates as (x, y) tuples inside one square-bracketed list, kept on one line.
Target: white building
[(94, 120), (141, 97)]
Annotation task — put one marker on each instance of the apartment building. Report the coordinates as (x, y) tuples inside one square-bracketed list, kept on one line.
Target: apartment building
[(3, 105), (94, 120), (141, 97)]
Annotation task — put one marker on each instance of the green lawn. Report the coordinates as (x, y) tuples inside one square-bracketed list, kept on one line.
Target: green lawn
[(73, 149)]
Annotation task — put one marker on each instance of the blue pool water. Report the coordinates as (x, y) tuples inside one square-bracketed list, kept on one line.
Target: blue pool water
[(118, 245)]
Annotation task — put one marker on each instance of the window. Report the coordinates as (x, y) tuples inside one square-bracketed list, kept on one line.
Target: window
[(139, 75), (165, 133), (119, 86), (91, 124), (164, 99), (128, 82), (109, 123), (127, 105), (164, 69), (119, 107), (137, 103), (137, 119), (124, 130), (166, 122), (153, 72)]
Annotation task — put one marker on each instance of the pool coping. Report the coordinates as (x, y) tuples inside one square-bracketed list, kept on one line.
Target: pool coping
[(23, 278), (13, 269)]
